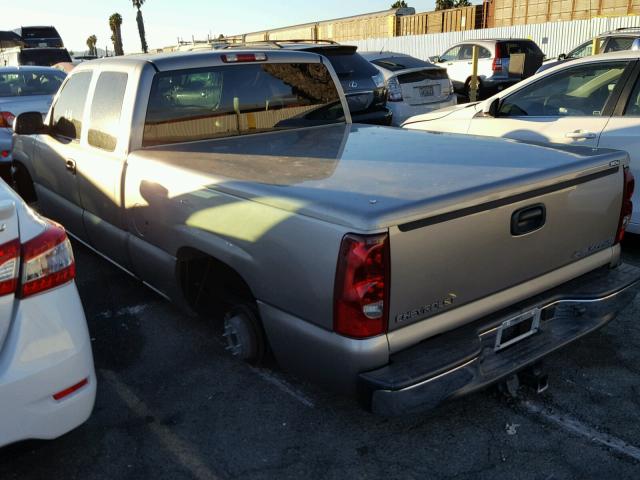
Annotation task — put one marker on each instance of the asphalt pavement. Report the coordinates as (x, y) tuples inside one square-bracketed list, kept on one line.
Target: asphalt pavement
[(172, 404)]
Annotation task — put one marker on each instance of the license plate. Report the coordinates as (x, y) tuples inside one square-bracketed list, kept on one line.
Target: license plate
[(517, 329), (425, 91)]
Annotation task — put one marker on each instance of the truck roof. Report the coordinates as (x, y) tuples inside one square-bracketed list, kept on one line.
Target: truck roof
[(196, 59)]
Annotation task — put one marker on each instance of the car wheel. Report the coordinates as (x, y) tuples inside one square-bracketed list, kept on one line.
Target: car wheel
[(243, 334)]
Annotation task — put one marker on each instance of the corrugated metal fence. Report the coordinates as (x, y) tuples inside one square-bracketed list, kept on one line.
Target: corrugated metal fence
[(553, 38)]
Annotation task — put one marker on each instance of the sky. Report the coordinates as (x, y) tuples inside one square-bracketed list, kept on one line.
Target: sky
[(166, 20)]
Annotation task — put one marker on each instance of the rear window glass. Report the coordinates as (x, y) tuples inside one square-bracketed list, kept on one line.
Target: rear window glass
[(349, 64), (519, 46), (106, 107), (25, 84), (239, 99), (38, 32), (400, 63), (44, 57)]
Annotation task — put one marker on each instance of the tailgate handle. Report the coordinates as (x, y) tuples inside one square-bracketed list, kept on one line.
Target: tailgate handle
[(528, 219)]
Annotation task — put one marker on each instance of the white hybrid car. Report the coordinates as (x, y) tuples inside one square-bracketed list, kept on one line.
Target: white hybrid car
[(47, 378), (592, 102), (414, 86)]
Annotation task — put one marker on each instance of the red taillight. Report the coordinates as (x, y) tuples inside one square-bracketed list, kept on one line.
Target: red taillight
[(361, 297), (496, 65), (627, 205), (47, 261), (6, 119), (244, 57), (9, 266), (68, 391), (4, 153)]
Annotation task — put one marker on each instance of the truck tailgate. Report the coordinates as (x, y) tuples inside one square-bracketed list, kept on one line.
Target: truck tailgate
[(450, 259)]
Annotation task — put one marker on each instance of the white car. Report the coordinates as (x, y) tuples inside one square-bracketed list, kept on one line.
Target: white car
[(47, 378), (414, 86), (591, 102), (23, 89)]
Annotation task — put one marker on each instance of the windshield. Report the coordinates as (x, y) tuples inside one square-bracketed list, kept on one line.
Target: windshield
[(400, 63), (44, 57), (240, 99), (25, 84)]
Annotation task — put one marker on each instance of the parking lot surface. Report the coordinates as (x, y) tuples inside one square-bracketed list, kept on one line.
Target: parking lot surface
[(173, 404)]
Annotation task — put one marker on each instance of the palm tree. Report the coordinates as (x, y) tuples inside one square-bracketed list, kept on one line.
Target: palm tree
[(115, 23), (92, 41), (143, 40)]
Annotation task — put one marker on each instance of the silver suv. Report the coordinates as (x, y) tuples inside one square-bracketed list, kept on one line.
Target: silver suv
[(494, 70), (627, 38)]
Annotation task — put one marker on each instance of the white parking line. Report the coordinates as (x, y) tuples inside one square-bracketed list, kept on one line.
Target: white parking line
[(283, 385), (179, 448), (575, 426)]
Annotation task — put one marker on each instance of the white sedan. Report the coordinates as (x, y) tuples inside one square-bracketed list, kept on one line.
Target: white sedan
[(414, 86), (592, 102), (47, 378)]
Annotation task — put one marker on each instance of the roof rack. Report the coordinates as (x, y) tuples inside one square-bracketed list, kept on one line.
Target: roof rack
[(624, 29), (278, 43)]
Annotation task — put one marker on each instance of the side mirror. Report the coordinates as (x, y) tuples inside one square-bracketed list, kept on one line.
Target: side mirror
[(562, 57), (29, 123), (436, 59), (490, 109), (636, 44)]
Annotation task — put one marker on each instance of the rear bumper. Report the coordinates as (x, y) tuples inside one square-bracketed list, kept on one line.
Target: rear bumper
[(402, 110), (464, 360), (46, 351)]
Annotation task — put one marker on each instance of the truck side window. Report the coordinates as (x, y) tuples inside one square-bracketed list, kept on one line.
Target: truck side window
[(574, 92), (104, 121), (633, 107), (69, 109)]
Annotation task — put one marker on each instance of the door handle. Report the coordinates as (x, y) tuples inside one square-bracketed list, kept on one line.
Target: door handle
[(580, 134), (528, 219), (70, 165)]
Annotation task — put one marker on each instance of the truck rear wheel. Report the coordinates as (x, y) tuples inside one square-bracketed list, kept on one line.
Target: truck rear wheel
[(243, 334)]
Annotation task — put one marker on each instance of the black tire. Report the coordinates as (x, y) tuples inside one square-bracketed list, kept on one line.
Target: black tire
[(23, 184)]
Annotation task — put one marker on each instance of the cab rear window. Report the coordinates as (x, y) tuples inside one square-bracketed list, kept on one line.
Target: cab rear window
[(215, 102)]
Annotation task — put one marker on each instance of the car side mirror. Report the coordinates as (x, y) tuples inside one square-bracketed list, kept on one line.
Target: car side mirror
[(436, 59), (491, 109), (29, 123), (636, 44), (562, 56)]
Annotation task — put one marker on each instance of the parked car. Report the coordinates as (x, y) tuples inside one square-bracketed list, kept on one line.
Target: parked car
[(362, 83), (44, 57), (23, 89), (493, 63), (409, 268), (413, 85), (47, 378), (612, 41), (40, 36), (592, 102)]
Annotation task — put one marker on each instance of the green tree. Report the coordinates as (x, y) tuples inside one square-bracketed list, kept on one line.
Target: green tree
[(143, 38), (444, 4), (462, 3), (400, 4), (115, 24), (92, 41)]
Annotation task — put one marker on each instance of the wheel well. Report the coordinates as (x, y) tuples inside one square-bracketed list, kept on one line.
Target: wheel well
[(23, 183), (208, 283)]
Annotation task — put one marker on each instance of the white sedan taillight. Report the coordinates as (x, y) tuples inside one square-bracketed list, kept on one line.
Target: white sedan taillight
[(47, 261), (395, 90)]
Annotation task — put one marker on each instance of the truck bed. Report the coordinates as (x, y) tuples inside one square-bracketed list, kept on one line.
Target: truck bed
[(369, 177)]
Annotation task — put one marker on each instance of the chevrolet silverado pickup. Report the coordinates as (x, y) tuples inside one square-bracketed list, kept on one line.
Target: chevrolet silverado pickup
[(405, 267)]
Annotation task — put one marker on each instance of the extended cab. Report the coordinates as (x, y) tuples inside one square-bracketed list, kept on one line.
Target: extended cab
[(404, 266)]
